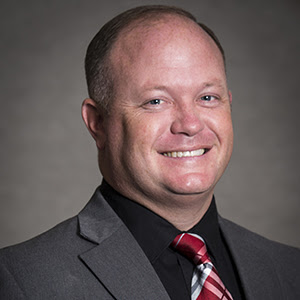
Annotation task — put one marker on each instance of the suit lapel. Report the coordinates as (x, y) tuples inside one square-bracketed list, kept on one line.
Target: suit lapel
[(117, 260), (256, 270)]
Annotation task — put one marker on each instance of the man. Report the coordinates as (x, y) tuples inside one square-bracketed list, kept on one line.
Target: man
[(160, 113)]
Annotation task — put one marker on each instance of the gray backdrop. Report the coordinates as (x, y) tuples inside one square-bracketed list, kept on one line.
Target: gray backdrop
[(48, 160)]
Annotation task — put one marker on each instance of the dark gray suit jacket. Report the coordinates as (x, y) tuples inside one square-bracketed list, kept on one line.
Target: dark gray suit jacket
[(94, 256)]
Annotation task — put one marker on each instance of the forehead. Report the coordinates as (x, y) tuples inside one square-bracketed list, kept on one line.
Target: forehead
[(161, 33), (170, 46)]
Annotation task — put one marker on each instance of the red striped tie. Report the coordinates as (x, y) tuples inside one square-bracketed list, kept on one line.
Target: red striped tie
[(206, 283)]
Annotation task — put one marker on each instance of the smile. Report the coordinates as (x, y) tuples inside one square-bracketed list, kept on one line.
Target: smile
[(193, 153)]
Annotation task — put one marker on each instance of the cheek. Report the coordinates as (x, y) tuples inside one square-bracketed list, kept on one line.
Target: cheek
[(222, 126), (225, 136), (228, 129), (146, 130)]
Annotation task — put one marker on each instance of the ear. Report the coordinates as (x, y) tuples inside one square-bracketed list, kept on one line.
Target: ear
[(93, 120), (230, 100), (230, 97)]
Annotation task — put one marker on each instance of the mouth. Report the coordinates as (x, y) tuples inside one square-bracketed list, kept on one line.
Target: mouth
[(193, 153)]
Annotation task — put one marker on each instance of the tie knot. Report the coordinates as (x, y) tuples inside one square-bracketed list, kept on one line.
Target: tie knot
[(206, 283), (191, 246)]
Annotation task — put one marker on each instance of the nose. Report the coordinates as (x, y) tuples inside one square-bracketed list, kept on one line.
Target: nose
[(187, 121)]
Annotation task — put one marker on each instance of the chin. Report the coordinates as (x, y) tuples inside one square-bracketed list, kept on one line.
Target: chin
[(191, 185)]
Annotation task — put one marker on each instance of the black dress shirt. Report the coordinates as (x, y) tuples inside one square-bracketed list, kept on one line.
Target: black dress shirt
[(154, 235)]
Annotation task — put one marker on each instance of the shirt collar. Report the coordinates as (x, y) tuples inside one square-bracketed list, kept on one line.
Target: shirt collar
[(153, 233)]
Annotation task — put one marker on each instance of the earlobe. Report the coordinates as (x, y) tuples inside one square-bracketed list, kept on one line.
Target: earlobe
[(93, 121)]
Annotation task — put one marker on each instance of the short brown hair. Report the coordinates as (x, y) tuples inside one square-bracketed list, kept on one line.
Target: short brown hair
[(97, 67)]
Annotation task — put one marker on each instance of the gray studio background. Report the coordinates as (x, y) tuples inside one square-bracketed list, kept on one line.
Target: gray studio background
[(48, 160)]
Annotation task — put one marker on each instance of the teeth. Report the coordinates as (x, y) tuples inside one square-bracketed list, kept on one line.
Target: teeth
[(186, 153), (198, 152)]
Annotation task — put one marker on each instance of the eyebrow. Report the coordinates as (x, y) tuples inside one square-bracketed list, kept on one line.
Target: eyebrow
[(217, 83)]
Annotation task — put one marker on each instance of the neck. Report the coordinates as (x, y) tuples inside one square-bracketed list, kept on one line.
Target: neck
[(182, 211), (183, 217)]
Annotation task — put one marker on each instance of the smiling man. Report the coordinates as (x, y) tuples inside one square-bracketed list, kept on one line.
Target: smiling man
[(160, 114), (167, 137)]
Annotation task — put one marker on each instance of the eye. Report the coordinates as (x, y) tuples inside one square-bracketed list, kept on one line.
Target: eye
[(155, 101), (156, 104), (208, 98)]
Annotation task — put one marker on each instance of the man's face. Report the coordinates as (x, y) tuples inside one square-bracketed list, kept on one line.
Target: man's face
[(169, 132)]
